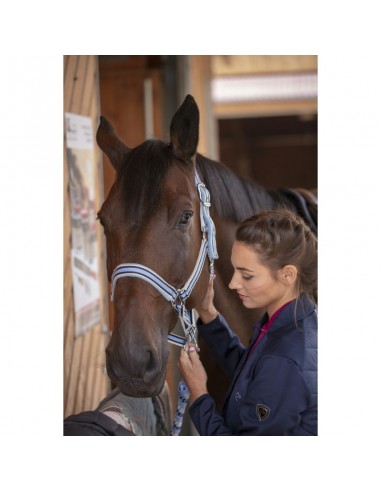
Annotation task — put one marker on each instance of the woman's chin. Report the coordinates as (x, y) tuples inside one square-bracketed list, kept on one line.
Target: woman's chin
[(246, 301)]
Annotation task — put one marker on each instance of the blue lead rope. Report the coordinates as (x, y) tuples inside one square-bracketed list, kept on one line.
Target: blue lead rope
[(182, 401)]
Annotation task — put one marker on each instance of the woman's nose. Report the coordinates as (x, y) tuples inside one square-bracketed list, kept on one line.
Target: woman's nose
[(234, 284)]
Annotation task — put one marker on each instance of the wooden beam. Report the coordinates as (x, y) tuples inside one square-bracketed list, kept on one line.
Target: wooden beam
[(264, 108)]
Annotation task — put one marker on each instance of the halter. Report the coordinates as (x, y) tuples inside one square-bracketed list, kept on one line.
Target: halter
[(177, 297)]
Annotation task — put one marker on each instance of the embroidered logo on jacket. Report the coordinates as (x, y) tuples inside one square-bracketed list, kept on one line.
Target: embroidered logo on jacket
[(262, 411)]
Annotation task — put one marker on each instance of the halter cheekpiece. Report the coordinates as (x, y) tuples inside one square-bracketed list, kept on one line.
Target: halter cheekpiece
[(177, 297)]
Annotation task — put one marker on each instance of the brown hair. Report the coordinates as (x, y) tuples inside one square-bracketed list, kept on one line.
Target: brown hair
[(280, 237)]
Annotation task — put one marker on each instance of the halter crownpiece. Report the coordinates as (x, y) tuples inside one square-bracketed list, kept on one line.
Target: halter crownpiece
[(177, 297)]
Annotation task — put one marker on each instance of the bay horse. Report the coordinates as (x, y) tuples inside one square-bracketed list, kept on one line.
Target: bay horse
[(151, 217)]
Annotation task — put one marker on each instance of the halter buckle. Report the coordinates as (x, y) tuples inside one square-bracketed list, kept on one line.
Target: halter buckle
[(203, 194)]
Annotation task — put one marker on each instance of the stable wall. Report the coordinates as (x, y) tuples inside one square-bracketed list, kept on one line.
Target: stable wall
[(85, 379)]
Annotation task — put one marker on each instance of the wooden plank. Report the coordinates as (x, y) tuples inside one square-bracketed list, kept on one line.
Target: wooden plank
[(86, 88), (80, 402), (78, 80), (68, 357), (68, 326), (262, 64), (68, 280), (90, 371), (98, 375), (89, 99), (66, 59), (74, 376), (69, 76), (264, 108)]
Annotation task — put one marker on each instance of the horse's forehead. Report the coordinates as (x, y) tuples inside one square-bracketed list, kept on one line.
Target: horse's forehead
[(179, 182)]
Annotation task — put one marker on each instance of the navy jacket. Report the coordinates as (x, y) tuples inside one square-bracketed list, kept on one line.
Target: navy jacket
[(274, 391)]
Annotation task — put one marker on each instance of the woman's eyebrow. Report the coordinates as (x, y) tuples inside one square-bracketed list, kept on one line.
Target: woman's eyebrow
[(243, 269)]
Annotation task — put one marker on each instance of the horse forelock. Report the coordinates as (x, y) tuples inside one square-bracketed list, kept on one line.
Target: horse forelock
[(142, 176)]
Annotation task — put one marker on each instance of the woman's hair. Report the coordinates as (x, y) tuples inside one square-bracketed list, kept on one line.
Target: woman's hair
[(279, 238)]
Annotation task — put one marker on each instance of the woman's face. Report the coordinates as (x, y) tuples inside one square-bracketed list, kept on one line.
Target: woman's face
[(254, 283)]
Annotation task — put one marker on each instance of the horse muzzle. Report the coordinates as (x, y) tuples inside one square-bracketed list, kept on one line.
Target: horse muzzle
[(140, 374)]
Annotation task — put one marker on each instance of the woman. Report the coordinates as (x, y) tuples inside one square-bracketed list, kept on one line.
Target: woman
[(273, 387)]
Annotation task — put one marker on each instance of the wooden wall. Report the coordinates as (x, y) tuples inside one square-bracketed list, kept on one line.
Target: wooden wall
[(85, 379)]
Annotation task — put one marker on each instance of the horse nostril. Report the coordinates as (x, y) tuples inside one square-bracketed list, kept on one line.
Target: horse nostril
[(124, 364), (151, 361)]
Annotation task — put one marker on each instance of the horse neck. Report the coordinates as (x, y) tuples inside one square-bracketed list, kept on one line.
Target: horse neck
[(233, 197)]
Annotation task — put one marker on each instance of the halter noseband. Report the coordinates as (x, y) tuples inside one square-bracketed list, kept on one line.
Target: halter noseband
[(177, 297)]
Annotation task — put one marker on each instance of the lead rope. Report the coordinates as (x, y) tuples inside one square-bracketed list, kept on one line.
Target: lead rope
[(182, 400)]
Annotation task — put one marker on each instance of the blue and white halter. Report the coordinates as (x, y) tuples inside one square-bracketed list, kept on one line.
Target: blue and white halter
[(177, 297)]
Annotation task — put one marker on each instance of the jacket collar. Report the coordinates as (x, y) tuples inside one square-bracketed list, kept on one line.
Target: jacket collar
[(294, 311)]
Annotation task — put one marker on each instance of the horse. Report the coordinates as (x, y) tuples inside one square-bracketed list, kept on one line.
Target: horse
[(151, 218)]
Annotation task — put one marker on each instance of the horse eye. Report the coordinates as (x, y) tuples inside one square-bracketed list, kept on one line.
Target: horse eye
[(186, 217)]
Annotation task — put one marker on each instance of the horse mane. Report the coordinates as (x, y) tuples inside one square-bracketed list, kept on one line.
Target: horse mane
[(233, 196)]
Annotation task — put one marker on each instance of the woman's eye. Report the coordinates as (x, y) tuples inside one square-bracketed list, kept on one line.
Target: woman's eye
[(185, 217), (247, 277)]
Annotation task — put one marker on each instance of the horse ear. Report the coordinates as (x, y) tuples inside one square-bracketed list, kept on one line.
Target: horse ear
[(184, 129), (110, 143)]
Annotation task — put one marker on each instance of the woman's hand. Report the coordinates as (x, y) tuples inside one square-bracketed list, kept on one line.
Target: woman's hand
[(206, 309), (193, 371)]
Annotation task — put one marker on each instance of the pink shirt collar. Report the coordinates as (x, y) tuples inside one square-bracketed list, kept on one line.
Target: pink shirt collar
[(265, 328), (271, 320)]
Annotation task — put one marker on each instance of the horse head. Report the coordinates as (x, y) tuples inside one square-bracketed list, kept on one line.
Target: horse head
[(151, 217)]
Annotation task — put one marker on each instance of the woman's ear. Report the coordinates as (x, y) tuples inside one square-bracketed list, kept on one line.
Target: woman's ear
[(289, 274)]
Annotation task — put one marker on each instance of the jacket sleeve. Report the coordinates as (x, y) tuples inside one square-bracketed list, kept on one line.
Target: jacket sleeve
[(223, 343), (206, 419), (272, 405)]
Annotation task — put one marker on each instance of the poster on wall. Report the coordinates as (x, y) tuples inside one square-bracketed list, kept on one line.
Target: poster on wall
[(81, 160)]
